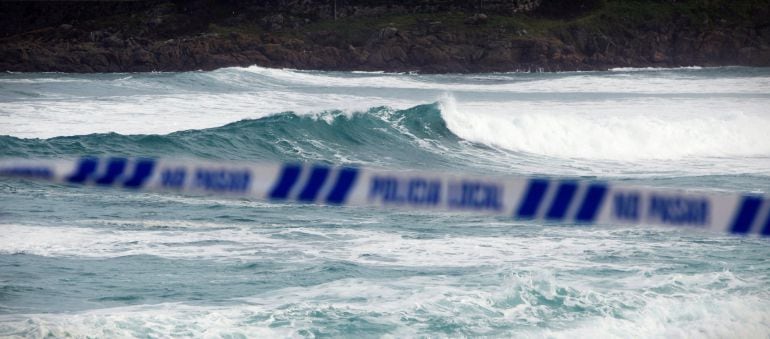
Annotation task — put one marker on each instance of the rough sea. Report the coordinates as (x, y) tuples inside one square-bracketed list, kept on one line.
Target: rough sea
[(86, 262)]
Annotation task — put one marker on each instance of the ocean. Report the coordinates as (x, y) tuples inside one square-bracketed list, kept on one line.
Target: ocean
[(101, 263)]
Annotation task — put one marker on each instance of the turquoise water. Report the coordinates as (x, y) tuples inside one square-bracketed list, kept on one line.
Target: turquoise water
[(88, 262)]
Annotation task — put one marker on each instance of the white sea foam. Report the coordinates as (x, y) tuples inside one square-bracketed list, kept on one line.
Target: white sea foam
[(682, 317), (592, 82), (106, 242), (528, 304), (145, 237), (236, 242), (575, 115), (157, 321), (161, 114), (591, 115), (637, 129), (648, 69)]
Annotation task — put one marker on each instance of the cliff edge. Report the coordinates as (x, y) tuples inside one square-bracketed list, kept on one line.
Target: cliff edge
[(430, 36)]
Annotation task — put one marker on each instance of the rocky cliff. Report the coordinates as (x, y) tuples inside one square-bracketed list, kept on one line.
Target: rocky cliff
[(423, 36)]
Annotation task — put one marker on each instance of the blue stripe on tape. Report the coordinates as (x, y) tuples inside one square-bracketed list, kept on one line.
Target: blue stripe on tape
[(115, 168), (289, 176), (591, 203), (317, 177), (345, 180), (561, 202), (86, 167), (746, 214), (142, 171), (533, 197)]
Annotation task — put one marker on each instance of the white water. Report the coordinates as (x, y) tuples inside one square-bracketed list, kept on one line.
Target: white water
[(659, 114), (91, 263), (629, 129), (399, 305)]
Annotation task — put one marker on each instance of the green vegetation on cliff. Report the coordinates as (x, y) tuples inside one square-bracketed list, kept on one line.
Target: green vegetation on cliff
[(424, 35)]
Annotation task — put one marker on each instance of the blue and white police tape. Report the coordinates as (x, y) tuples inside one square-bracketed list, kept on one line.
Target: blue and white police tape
[(552, 200)]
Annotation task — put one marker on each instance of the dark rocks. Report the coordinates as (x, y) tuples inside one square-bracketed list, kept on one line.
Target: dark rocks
[(427, 53), (278, 53), (477, 19), (388, 32), (273, 22), (499, 56), (140, 56), (155, 22), (112, 41), (435, 27), (658, 56), (422, 55), (393, 52), (185, 36)]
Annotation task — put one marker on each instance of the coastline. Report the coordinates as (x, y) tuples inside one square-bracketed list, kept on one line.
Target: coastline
[(164, 36)]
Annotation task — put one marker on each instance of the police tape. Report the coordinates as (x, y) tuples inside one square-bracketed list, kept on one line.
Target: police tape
[(544, 199)]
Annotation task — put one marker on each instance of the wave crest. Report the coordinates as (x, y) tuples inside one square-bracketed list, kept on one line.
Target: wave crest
[(612, 133), (332, 136)]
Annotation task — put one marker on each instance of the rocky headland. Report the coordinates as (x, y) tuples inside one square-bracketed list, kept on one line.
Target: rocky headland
[(430, 36)]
